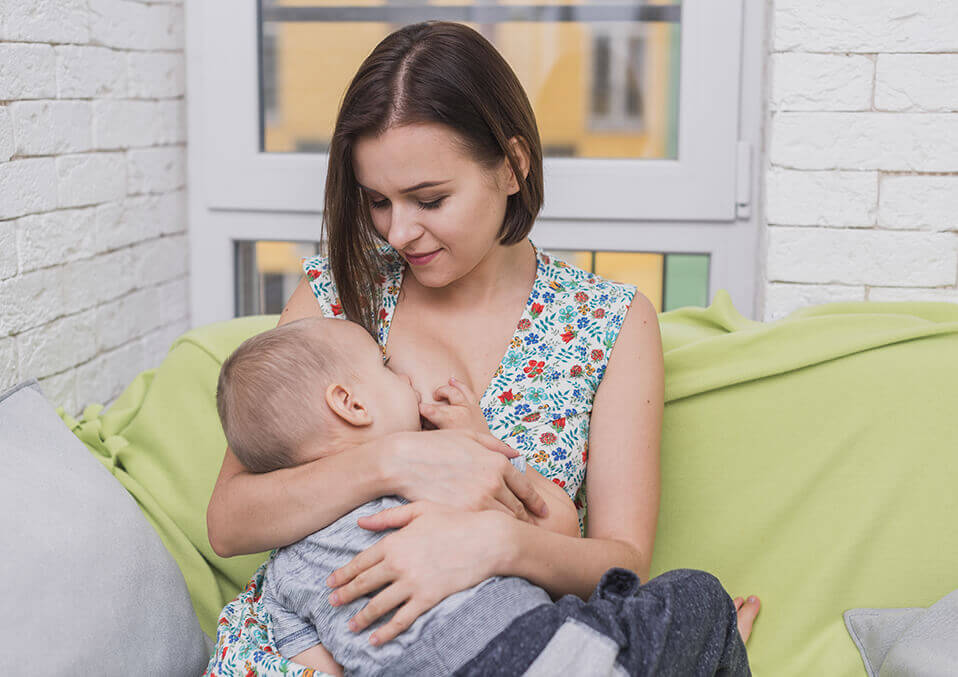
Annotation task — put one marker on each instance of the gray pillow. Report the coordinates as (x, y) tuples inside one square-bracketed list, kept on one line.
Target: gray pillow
[(908, 641), (88, 587)]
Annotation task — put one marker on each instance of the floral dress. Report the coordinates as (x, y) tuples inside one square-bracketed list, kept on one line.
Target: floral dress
[(539, 402)]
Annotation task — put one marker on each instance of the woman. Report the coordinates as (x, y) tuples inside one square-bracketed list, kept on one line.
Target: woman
[(436, 152)]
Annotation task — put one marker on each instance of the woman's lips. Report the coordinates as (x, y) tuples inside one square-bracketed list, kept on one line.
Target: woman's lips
[(421, 260)]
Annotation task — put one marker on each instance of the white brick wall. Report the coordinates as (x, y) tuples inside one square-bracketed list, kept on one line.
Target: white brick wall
[(861, 180), (93, 247)]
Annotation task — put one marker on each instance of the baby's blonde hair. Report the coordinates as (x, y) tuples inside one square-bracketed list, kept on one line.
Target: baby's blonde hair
[(271, 390)]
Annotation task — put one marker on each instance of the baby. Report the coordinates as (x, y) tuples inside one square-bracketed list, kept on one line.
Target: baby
[(316, 387)]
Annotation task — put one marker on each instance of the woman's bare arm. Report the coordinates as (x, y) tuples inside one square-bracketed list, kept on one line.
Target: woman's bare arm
[(622, 480), (254, 512)]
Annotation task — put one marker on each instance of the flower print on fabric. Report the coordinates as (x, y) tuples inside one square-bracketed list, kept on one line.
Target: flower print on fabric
[(244, 638), (552, 365), (539, 402)]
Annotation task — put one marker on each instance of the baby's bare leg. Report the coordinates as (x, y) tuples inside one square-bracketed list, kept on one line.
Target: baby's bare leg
[(318, 658)]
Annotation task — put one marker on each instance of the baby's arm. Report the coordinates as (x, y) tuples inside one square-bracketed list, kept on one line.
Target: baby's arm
[(319, 658), (462, 411), (296, 637)]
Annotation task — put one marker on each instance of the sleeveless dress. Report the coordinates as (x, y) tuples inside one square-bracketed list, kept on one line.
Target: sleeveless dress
[(539, 402)]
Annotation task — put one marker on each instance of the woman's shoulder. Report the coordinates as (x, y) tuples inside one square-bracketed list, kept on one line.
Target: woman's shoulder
[(565, 284)]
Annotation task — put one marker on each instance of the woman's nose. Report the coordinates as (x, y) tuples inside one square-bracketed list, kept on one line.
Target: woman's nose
[(403, 229)]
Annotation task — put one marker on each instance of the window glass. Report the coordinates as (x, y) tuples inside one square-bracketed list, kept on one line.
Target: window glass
[(602, 78), (267, 272), (668, 280)]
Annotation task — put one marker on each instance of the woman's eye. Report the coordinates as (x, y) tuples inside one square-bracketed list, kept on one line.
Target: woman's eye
[(422, 205), (432, 205)]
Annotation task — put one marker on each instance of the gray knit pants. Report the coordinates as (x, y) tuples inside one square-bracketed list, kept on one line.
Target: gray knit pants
[(681, 623)]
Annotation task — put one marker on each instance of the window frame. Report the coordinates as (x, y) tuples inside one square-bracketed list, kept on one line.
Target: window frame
[(238, 192)]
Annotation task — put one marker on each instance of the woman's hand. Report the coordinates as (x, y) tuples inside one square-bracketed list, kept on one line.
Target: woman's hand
[(456, 468), (437, 551)]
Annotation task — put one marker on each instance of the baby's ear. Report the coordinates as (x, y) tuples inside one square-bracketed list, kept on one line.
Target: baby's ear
[(343, 403)]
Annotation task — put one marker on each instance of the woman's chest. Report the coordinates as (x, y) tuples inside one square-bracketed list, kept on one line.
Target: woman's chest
[(430, 349)]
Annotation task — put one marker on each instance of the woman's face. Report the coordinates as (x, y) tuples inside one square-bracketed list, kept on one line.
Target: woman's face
[(442, 230)]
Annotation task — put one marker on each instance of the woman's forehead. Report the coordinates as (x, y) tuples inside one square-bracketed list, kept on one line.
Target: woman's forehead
[(404, 157)]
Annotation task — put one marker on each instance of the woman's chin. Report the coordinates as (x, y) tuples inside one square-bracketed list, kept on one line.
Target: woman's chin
[(431, 279)]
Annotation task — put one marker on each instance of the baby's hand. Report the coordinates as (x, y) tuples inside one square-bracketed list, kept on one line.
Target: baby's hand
[(462, 410)]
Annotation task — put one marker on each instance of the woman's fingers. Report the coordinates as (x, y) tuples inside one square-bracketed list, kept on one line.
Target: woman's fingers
[(521, 486), (403, 618), (366, 582), (493, 443), (512, 504), (382, 603), (364, 560), (398, 516), (390, 518)]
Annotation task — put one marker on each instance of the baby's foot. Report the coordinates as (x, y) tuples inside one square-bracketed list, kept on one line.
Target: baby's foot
[(747, 611)]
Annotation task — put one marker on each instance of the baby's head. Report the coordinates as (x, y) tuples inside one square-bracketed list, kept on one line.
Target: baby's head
[(307, 389)]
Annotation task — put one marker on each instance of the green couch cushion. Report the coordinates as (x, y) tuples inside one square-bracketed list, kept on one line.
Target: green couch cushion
[(809, 461)]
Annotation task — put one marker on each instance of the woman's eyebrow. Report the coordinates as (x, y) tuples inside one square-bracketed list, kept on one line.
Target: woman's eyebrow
[(424, 184)]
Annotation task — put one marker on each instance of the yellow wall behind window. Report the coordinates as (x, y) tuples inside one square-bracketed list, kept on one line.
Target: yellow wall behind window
[(315, 62), (641, 269), (644, 270)]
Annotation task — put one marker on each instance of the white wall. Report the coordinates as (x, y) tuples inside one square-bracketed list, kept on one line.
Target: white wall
[(93, 250), (862, 162)]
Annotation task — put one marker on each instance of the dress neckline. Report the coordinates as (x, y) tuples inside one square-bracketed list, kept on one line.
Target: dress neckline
[(394, 285)]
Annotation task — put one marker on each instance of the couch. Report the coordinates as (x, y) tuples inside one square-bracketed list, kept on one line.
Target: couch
[(810, 461)]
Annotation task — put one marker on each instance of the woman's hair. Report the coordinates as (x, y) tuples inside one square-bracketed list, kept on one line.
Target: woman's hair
[(431, 72)]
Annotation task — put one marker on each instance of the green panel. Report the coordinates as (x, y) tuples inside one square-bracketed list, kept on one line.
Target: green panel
[(686, 280)]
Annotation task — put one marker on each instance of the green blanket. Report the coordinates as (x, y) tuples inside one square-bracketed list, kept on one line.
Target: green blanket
[(809, 461)]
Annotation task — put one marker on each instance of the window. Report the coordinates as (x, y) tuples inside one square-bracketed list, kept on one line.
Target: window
[(638, 106)]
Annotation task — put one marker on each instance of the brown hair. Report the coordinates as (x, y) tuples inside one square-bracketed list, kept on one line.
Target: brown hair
[(430, 72), (268, 393)]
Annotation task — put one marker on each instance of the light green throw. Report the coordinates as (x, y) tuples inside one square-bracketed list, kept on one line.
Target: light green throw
[(810, 461)]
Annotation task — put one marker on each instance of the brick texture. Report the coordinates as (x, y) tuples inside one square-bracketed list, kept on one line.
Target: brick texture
[(94, 271), (861, 171)]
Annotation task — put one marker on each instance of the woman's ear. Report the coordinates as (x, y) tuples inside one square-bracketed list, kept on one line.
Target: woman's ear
[(347, 406), (519, 150)]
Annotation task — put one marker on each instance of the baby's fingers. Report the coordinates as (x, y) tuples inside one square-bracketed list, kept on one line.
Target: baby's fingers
[(465, 390), (443, 416), (451, 394)]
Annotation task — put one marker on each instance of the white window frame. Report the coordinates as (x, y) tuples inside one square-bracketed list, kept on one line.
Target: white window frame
[(694, 204)]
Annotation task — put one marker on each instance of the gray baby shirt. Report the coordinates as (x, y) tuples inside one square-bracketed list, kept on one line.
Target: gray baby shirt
[(437, 643)]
